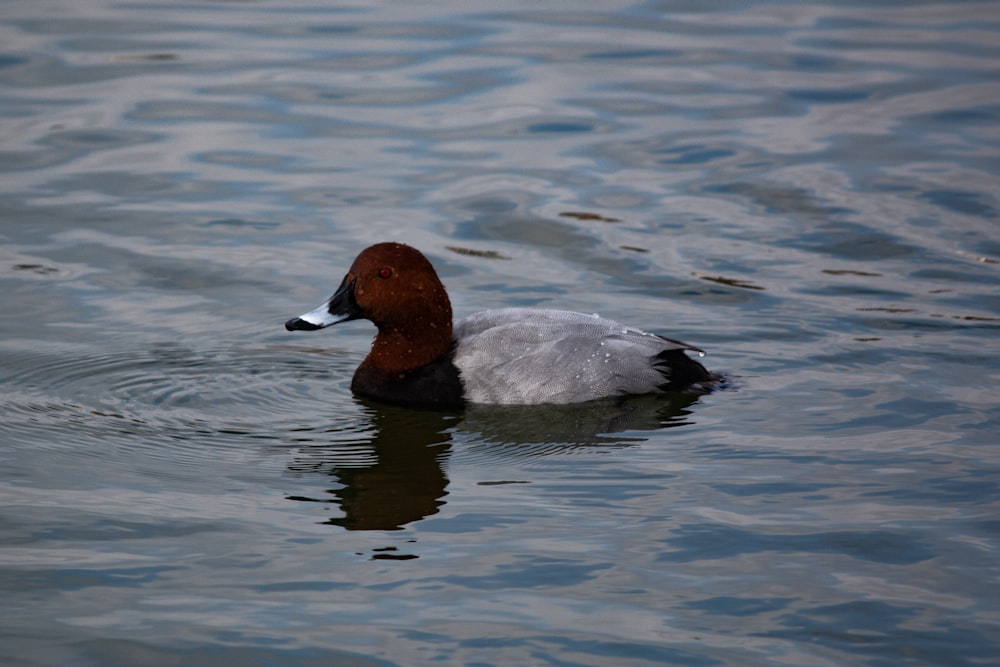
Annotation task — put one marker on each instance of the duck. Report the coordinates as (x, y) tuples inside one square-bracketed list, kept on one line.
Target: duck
[(506, 356)]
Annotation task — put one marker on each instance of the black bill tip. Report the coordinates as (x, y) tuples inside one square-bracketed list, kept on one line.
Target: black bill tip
[(299, 324)]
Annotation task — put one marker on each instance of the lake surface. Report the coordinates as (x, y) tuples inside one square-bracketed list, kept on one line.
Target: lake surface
[(808, 191)]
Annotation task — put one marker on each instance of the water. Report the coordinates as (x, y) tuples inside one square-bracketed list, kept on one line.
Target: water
[(807, 191)]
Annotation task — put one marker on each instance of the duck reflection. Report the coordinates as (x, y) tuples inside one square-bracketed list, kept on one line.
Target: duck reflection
[(394, 474), (394, 478), (553, 428)]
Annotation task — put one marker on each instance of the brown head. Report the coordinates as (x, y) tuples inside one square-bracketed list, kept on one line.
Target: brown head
[(395, 287)]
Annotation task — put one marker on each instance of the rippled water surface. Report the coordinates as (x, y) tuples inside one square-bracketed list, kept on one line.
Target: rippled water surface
[(806, 190)]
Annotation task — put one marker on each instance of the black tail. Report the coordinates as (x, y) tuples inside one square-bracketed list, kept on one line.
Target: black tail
[(682, 373)]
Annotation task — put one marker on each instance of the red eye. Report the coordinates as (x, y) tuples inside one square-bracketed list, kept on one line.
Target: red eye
[(385, 272)]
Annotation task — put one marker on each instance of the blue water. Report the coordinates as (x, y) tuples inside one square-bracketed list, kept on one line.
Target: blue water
[(809, 191)]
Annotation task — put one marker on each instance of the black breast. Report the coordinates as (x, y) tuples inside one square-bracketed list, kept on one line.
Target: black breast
[(436, 385)]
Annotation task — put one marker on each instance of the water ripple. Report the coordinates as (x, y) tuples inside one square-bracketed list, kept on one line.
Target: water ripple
[(177, 402)]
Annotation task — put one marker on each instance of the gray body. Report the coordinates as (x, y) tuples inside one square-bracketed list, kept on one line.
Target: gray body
[(524, 355)]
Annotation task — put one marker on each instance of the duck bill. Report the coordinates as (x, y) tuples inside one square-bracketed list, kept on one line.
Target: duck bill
[(340, 307)]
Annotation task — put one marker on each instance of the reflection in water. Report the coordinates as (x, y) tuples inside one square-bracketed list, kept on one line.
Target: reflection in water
[(396, 475), (558, 427)]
